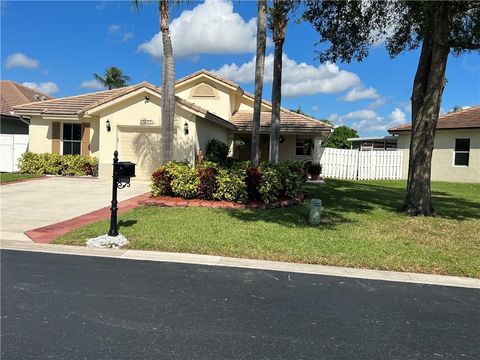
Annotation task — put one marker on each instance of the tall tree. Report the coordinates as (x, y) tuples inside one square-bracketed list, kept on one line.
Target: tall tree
[(259, 72), (338, 138), (113, 78), (168, 80), (439, 27), (277, 22)]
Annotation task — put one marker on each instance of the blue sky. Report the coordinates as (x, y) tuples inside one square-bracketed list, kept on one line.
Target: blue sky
[(70, 41)]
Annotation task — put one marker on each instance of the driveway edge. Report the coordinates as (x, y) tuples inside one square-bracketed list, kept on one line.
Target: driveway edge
[(210, 260)]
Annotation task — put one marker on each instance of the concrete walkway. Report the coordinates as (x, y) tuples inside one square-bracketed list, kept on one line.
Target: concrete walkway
[(29, 205)]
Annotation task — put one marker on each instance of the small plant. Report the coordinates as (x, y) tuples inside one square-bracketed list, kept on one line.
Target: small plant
[(208, 182), (217, 151), (314, 169), (161, 183), (55, 164)]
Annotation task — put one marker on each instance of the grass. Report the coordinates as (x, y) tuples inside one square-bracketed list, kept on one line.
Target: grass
[(9, 177), (361, 227)]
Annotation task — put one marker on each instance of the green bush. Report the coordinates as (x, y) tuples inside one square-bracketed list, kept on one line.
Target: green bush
[(54, 164), (231, 186), (211, 181), (217, 151), (270, 182)]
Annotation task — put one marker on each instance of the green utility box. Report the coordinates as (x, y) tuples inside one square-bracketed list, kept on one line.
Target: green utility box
[(315, 211)]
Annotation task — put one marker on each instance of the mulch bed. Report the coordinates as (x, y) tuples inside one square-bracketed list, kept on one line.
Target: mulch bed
[(167, 201)]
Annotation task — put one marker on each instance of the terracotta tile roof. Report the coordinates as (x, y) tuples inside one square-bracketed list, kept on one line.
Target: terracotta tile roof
[(79, 104), (463, 119), (208, 73), (13, 94), (288, 120)]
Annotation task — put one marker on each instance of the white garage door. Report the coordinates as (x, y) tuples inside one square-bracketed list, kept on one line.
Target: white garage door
[(141, 146)]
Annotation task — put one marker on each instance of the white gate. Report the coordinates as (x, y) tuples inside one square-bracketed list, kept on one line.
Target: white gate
[(361, 165), (11, 148)]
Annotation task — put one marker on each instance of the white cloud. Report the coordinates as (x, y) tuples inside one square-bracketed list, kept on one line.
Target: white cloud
[(210, 28), (297, 78), (91, 84), (127, 36), (359, 94), (48, 87), (20, 60), (367, 120), (377, 103), (113, 28), (315, 108), (397, 117)]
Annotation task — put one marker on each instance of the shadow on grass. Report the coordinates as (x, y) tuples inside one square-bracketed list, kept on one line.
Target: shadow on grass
[(126, 223), (341, 198)]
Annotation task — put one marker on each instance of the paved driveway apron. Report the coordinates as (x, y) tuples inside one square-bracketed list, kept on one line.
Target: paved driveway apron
[(32, 204)]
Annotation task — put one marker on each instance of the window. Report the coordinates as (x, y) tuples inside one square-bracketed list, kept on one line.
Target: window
[(462, 152), (304, 147), (72, 137)]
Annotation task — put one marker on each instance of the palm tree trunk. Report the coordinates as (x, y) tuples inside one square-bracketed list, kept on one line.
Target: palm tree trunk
[(259, 72), (276, 100), (426, 101), (168, 85)]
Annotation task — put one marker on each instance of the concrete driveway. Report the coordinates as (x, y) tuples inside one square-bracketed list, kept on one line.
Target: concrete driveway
[(32, 204)]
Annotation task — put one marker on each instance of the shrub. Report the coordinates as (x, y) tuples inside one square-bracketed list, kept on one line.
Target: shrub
[(54, 164), (231, 186), (292, 177), (217, 151), (207, 182), (161, 183), (184, 179), (315, 169), (270, 183)]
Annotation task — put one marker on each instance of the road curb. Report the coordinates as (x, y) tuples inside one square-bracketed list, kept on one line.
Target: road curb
[(211, 260)]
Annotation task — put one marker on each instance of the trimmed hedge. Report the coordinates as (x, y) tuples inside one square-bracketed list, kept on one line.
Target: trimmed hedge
[(239, 183), (54, 164)]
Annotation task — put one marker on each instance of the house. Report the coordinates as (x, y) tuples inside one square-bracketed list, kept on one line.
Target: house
[(456, 153), (128, 120), (14, 128), (376, 143)]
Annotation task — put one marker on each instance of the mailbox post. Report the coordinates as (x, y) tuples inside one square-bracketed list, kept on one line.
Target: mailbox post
[(122, 172)]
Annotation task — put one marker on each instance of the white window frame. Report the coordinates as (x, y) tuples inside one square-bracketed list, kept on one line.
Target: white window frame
[(71, 141), (461, 152)]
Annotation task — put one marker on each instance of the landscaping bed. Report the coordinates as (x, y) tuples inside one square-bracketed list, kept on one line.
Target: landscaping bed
[(361, 227)]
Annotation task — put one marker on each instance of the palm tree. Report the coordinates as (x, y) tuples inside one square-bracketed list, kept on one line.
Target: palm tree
[(168, 81), (277, 22), (113, 78), (259, 72)]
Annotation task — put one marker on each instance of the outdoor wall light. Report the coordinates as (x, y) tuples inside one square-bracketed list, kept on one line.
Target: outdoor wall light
[(282, 139), (147, 98), (185, 128), (109, 127)]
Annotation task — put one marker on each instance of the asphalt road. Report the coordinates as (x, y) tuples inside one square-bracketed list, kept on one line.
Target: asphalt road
[(78, 307)]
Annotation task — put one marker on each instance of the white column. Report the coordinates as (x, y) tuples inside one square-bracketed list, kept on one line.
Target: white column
[(317, 148)]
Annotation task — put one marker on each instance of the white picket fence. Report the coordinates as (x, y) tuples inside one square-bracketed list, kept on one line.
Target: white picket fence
[(11, 148), (361, 165)]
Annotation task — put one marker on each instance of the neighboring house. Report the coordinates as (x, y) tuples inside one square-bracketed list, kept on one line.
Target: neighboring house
[(13, 128), (128, 120), (382, 143), (456, 153)]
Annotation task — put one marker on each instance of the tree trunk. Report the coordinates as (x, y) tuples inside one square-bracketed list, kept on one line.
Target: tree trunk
[(276, 98), (168, 86), (426, 101), (259, 71)]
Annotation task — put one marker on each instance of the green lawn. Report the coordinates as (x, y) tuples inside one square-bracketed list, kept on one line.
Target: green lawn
[(9, 177), (361, 228)]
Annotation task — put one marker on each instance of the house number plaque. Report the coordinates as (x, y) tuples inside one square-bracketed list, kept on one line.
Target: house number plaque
[(146, 122)]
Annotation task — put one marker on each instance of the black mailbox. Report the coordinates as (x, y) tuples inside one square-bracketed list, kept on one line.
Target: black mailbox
[(124, 169)]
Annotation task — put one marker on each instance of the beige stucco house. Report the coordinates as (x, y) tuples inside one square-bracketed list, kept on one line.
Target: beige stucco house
[(456, 153), (128, 120)]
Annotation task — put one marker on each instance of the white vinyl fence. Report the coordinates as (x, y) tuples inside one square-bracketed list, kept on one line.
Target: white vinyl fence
[(361, 165), (11, 148)]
